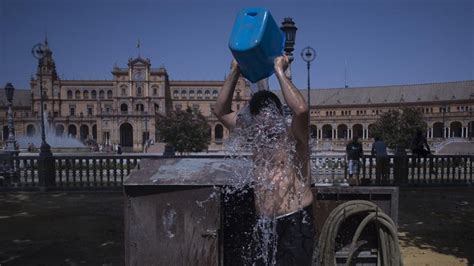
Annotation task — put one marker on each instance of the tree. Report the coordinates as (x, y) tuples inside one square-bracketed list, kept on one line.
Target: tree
[(187, 131), (399, 127)]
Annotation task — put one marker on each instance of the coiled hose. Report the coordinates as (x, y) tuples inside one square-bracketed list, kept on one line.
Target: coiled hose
[(389, 249)]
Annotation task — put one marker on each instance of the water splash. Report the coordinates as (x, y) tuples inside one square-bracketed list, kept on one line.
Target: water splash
[(169, 217), (51, 137), (266, 143)]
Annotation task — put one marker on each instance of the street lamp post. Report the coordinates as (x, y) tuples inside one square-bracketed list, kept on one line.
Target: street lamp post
[(308, 54), (46, 167), (11, 142), (289, 28), (39, 51), (145, 135)]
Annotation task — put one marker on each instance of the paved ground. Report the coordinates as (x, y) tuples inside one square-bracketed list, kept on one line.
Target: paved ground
[(79, 228)]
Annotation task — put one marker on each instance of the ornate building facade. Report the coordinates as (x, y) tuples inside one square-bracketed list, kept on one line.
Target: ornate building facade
[(122, 110), (117, 111)]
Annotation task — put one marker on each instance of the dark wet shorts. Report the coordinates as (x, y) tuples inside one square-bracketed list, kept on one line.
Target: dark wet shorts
[(295, 238)]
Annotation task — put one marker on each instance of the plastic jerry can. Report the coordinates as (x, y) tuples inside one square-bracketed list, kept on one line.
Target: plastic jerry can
[(255, 41)]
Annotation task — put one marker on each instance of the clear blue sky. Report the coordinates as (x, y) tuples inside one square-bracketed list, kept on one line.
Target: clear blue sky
[(385, 42)]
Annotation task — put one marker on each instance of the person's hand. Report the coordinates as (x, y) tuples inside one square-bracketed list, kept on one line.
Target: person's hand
[(234, 66), (281, 63)]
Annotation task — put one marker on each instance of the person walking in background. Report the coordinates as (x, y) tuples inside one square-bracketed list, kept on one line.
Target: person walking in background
[(119, 149), (418, 145), (354, 152), (379, 149)]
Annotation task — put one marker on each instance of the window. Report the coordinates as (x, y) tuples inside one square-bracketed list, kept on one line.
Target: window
[(69, 94), (94, 95), (101, 94), (85, 94), (139, 91), (124, 108), (108, 107), (155, 91), (175, 93), (191, 94), (78, 94), (214, 94), (89, 110), (157, 108), (72, 110), (139, 107), (183, 94), (199, 94), (109, 94), (207, 94)]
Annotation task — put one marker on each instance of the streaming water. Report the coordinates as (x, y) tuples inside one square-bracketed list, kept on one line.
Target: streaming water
[(265, 142)]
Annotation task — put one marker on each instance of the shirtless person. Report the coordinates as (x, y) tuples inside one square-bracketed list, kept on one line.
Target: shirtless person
[(282, 192)]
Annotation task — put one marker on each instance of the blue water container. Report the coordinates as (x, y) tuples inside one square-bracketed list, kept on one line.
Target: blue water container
[(255, 41)]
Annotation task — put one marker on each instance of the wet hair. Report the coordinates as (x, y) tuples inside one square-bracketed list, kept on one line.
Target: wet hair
[(262, 99)]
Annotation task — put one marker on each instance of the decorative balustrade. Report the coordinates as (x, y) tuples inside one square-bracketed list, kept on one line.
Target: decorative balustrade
[(109, 171)]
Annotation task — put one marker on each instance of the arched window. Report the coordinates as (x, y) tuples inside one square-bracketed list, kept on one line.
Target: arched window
[(72, 131), (191, 94), (371, 130), (59, 130), (69, 94), (155, 90), (438, 130), (139, 91), (314, 131), (183, 94), (109, 94), (30, 130), (214, 93), (341, 131), (218, 133), (124, 108), (157, 108), (93, 94), (78, 94), (199, 94), (207, 94), (85, 94), (327, 132), (456, 129), (176, 93), (101, 94), (357, 130)]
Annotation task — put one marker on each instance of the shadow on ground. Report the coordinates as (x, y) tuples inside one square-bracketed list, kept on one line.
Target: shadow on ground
[(61, 228), (76, 228), (438, 220)]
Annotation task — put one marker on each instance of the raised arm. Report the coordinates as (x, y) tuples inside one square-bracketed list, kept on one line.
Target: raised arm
[(294, 99), (223, 108)]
